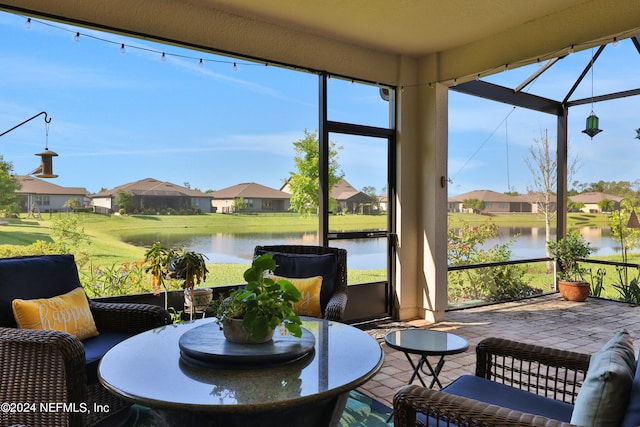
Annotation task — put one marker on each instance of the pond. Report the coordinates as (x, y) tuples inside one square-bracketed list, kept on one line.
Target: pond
[(531, 242), (364, 254), (221, 248)]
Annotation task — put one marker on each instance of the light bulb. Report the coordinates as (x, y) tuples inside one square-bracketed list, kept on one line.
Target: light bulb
[(201, 63), (163, 58), (123, 50), (27, 24), (235, 67), (76, 37)]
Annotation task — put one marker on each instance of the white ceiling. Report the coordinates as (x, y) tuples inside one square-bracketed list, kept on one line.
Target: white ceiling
[(366, 39), (410, 27)]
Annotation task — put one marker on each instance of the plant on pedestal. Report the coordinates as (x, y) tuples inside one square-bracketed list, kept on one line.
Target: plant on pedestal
[(567, 251), (263, 305)]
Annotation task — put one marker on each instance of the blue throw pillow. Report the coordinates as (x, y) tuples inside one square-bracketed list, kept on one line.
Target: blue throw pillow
[(604, 395), (300, 266)]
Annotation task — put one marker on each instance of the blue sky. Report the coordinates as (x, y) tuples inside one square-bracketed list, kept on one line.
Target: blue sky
[(118, 118)]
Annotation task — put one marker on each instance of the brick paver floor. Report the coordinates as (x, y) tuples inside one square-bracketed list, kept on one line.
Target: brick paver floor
[(546, 320)]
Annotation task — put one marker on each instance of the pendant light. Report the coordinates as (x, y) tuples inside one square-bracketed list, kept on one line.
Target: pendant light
[(592, 121)]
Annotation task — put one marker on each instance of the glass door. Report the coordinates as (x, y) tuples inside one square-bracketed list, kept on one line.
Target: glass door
[(359, 181)]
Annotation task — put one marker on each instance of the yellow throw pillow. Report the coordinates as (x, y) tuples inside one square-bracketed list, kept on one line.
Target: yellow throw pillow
[(67, 313), (309, 303)]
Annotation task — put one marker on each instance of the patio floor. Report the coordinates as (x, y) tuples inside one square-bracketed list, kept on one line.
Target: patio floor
[(546, 320)]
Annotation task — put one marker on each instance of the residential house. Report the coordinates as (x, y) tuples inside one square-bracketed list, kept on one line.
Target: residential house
[(37, 195), (258, 198), (348, 199), (151, 194), (537, 199), (494, 202), (591, 201), (351, 200)]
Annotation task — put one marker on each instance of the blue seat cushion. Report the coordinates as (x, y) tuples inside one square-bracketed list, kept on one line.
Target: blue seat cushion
[(487, 391), (632, 415), (96, 347), (34, 277), (299, 266)]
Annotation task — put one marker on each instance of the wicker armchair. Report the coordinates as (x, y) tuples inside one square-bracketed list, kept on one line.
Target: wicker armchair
[(49, 367), (545, 371), (337, 301)]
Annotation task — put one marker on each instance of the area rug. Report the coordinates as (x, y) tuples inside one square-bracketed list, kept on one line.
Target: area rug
[(361, 411)]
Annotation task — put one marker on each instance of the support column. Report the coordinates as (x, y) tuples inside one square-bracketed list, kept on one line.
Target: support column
[(421, 273)]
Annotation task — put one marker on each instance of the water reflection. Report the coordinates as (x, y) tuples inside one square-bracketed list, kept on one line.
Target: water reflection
[(531, 242), (221, 248), (364, 254)]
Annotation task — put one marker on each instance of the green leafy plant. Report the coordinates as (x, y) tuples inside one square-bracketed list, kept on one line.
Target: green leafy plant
[(263, 304), (597, 282), (191, 268), (629, 290), (567, 251), (156, 262)]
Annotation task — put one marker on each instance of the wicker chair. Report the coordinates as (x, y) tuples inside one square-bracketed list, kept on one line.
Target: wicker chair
[(336, 303), (50, 367), (545, 371)]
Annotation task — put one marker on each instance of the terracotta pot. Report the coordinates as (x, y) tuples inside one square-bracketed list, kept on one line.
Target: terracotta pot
[(574, 291), (236, 333)]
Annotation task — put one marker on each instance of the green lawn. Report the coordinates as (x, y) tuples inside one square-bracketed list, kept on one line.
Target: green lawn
[(107, 234), (108, 248), (576, 219)]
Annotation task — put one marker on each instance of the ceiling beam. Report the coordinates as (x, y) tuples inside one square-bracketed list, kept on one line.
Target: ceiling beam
[(509, 96), (607, 97)]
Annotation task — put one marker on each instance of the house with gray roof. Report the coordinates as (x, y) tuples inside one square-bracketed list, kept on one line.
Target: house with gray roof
[(350, 200), (152, 194), (37, 195), (258, 198)]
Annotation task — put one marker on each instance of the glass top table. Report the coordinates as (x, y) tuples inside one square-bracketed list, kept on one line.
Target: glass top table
[(425, 342), (148, 369)]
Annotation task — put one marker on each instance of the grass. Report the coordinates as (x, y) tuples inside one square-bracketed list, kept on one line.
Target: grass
[(108, 235), (574, 220)]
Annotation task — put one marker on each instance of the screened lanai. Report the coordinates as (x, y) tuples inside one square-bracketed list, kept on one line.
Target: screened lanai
[(417, 49)]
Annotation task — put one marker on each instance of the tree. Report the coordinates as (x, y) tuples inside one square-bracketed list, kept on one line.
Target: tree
[(606, 205), (8, 186), (239, 204), (72, 204), (476, 205), (124, 199), (544, 169), (370, 191), (305, 183)]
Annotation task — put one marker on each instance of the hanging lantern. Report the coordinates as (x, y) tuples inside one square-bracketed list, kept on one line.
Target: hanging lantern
[(46, 167), (592, 126), (633, 220)]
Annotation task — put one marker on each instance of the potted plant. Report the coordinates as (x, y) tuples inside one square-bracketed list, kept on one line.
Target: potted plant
[(191, 268), (567, 251), (156, 263), (250, 315)]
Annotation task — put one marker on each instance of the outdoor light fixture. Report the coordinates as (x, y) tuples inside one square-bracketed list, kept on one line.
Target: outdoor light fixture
[(631, 223), (633, 220), (45, 170), (592, 121), (592, 126)]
